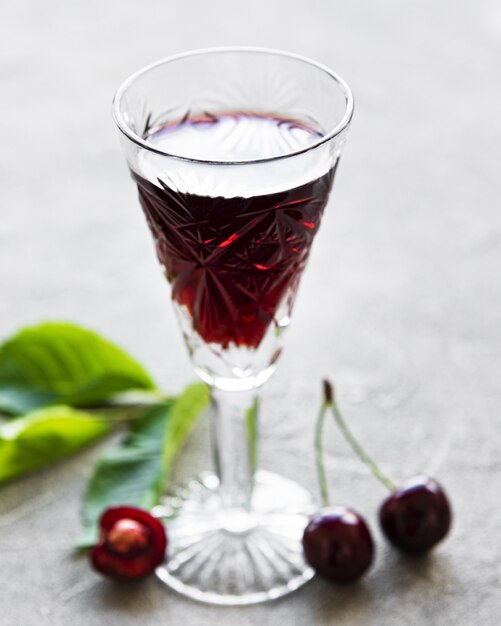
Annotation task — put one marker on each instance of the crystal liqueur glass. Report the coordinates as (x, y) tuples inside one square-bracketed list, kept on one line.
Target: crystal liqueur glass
[(234, 152)]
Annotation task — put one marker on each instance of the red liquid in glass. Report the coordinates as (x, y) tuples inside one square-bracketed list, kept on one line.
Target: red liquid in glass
[(232, 261)]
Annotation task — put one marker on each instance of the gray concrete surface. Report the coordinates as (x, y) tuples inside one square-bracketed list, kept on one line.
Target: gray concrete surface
[(401, 303)]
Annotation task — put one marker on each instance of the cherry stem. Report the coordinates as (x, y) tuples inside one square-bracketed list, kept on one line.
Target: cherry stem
[(330, 401), (319, 454)]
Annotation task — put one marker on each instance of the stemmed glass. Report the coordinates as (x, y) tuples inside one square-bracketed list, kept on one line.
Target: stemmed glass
[(234, 152)]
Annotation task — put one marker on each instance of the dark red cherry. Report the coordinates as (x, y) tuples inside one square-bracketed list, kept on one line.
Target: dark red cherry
[(416, 516), (132, 543), (338, 545)]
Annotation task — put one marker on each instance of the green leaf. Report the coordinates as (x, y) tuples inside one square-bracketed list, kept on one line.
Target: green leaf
[(16, 400), (135, 471), (44, 436), (64, 363)]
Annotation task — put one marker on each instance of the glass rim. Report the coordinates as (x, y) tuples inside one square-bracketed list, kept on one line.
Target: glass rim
[(135, 138)]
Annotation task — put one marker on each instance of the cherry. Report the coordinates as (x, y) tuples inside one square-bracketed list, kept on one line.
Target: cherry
[(416, 516), (132, 543), (337, 542), (127, 537), (338, 545)]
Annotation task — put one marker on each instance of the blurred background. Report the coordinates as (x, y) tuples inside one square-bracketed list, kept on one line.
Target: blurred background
[(400, 303)]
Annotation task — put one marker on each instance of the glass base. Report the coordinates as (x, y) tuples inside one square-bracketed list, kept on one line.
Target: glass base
[(231, 556)]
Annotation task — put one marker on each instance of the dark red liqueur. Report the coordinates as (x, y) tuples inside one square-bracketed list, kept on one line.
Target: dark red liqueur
[(231, 261)]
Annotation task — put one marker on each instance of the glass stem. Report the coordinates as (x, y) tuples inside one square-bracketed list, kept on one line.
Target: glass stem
[(234, 418)]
